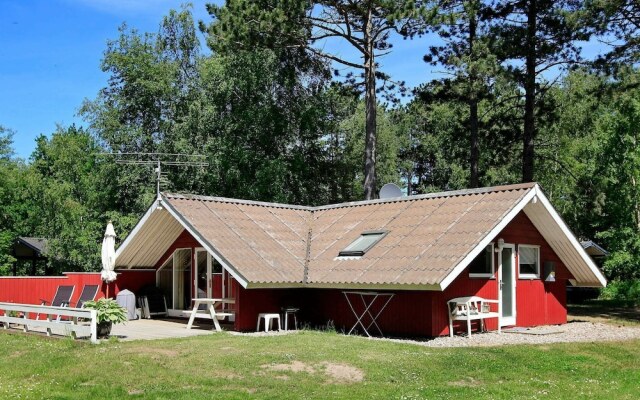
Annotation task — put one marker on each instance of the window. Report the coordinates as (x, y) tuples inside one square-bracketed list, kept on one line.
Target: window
[(482, 265), (528, 261), (362, 244)]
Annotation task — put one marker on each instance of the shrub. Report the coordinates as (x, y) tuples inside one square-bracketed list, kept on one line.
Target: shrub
[(108, 310), (628, 290)]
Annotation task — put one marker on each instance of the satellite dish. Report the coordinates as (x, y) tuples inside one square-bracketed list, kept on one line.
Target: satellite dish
[(390, 190)]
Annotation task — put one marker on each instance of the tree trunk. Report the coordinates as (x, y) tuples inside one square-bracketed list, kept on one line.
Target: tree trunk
[(370, 105), (474, 180), (528, 152)]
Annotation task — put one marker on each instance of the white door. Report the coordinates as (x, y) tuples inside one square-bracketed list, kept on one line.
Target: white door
[(507, 285)]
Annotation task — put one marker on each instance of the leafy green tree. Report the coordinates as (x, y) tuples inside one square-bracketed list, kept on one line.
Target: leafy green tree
[(67, 204), (619, 161), (300, 25), (7, 191), (152, 87)]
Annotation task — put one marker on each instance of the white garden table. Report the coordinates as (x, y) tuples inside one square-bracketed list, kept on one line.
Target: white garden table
[(211, 310)]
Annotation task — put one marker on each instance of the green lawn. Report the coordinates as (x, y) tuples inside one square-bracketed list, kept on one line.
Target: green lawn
[(311, 365)]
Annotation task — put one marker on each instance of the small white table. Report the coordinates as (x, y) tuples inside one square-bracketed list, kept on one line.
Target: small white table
[(368, 299), (211, 310)]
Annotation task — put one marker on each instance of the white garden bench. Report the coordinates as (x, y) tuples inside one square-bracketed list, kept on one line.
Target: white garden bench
[(469, 309)]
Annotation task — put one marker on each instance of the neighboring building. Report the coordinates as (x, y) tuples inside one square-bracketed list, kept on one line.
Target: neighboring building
[(425, 249), (594, 250), (31, 255)]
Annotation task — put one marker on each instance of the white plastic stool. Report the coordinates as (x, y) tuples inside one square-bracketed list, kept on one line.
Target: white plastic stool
[(268, 319), (293, 311)]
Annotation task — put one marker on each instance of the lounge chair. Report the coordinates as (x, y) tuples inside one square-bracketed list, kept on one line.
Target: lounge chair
[(89, 293), (62, 298)]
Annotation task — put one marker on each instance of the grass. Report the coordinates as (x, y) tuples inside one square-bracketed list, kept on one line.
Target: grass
[(300, 366)]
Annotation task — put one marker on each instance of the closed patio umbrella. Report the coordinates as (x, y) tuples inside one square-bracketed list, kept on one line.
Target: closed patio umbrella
[(108, 256)]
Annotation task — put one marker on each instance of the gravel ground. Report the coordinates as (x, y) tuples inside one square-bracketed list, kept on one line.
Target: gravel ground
[(571, 332)]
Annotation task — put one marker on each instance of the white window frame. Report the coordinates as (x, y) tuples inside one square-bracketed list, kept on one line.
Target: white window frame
[(492, 275), (530, 276)]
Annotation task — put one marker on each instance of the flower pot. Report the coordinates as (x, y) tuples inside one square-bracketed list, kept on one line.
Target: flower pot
[(104, 328)]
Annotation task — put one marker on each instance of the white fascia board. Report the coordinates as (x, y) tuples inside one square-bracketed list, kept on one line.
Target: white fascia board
[(490, 237), (572, 239), (135, 231), (204, 243), (344, 286)]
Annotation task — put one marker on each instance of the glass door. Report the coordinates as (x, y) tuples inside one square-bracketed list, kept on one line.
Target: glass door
[(182, 279), (202, 274), (507, 281)]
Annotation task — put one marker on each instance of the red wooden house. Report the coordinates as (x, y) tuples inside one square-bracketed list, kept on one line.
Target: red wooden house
[(505, 243)]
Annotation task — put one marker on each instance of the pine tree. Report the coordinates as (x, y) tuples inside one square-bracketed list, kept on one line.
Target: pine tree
[(536, 37), (302, 25), (466, 54)]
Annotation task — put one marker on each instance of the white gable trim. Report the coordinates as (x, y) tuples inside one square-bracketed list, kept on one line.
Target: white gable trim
[(572, 239), (534, 195), (204, 243), (486, 240), (135, 230)]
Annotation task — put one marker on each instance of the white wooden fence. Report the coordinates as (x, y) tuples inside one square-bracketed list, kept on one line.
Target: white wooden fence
[(61, 320)]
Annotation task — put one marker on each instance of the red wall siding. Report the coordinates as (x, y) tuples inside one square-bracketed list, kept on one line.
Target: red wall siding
[(408, 313), (422, 313), (185, 240), (132, 280), (537, 302), (30, 290), (463, 286)]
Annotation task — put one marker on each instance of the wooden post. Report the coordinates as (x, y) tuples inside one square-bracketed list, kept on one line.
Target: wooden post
[(94, 326)]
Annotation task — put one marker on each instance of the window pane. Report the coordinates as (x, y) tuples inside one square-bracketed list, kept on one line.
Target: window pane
[(482, 264), (528, 260), (364, 242), (359, 246), (217, 267)]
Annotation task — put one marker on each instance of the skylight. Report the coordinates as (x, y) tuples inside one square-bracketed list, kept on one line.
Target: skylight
[(362, 244)]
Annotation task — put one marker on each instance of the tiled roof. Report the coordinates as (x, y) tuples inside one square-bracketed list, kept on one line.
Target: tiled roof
[(428, 235)]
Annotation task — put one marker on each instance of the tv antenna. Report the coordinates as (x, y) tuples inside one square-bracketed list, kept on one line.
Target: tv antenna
[(159, 160)]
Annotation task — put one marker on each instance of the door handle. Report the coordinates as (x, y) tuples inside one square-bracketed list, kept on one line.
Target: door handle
[(501, 284)]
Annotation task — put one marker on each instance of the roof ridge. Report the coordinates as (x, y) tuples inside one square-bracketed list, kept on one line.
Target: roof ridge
[(435, 195), (186, 196), (452, 193)]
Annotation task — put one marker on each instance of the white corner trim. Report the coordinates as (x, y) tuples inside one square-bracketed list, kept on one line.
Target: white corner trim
[(490, 237), (204, 243), (135, 231), (572, 239)]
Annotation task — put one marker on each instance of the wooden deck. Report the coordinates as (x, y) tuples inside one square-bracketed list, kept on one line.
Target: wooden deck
[(147, 329), (151, 329)]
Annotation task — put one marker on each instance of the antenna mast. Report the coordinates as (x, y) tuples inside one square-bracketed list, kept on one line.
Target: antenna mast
[(160, 159)]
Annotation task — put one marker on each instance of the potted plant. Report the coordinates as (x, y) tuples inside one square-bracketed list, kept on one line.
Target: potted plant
[(109, 313)]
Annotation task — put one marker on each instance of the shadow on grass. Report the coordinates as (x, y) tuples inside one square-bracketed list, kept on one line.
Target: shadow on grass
[(605, 311)]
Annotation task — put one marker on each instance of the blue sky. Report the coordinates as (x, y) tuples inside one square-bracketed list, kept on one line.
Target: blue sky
[(50, 57), (51, 50)]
